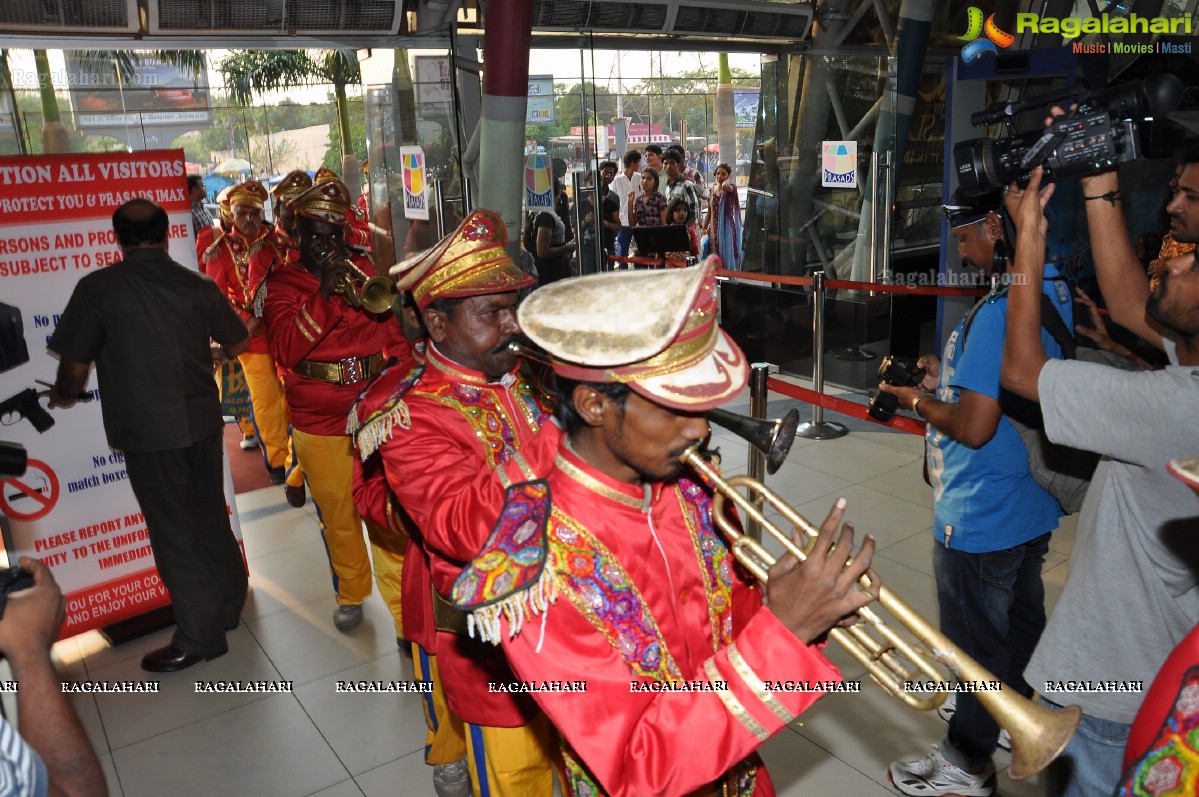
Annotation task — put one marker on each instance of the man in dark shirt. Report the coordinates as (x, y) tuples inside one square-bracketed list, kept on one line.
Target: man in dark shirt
[(146, 322)]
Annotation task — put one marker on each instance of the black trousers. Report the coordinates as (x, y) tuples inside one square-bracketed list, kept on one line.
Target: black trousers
[(182, 496)]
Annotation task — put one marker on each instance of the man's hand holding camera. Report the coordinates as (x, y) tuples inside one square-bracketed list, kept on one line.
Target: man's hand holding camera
[(47, 722), (32, 616)]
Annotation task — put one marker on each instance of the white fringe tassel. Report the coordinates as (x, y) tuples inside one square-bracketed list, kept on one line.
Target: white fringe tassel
[(517, 607)]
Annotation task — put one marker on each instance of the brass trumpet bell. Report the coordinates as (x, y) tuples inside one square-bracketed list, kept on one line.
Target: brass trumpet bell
[(1038, 734), (772, 437), (378, 294)]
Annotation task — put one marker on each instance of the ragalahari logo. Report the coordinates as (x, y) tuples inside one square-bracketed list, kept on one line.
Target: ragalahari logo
[(993, 39)]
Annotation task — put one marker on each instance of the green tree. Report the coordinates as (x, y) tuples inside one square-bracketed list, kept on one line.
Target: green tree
[(333, 155), (250, 72)]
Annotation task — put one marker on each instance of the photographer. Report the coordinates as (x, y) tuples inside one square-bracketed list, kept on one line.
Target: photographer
[(52, 754), (992, 521), (1131, 594)]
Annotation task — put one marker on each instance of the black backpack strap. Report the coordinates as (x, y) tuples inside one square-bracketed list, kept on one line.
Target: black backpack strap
[(1052, 321)]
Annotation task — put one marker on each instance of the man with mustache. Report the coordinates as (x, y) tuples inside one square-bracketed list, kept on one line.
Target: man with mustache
[(611, 575), (448, 440), (1131, 594), (330, 350)]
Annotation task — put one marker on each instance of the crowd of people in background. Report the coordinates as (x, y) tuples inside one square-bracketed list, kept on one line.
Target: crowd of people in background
[(637, 192)]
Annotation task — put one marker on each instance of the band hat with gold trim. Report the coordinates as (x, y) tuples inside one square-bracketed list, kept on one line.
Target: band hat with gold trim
[(655, 331), (471, 261), (222, 202), (294, 184), (325, 173), (249, 193), (326, 201)]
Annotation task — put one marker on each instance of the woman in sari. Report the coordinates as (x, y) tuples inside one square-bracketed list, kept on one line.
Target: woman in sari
[(724, 219)]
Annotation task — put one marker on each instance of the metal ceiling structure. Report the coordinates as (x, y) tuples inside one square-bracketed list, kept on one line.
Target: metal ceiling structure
[(758, 25)]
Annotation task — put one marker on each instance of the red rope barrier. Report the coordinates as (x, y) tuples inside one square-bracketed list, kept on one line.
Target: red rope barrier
[(900, 422), (877, 287)]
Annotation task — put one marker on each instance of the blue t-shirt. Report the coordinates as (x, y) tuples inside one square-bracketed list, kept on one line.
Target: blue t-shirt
[(985, 499)]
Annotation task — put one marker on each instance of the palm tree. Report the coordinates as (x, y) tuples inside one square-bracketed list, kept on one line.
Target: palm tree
[(54, 132), (726, 119), (250, 72)]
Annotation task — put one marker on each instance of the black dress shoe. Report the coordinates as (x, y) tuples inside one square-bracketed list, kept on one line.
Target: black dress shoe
[(295, 495), (277, 475), (172, 659)]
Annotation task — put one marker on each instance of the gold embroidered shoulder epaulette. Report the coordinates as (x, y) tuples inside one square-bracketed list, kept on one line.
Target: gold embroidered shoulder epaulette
[(509, 578), (380, 409), (211, 252), (263, 240)]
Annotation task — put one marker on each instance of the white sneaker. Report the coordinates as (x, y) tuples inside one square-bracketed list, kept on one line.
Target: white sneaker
[(452, 780), (947, 709), (249, 442), (933, 775)]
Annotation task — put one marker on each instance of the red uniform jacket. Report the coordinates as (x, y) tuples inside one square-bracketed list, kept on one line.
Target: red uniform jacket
[(304, 325), (646, 596), (204, 239), (227, 261), (274, 249), (454, 431)]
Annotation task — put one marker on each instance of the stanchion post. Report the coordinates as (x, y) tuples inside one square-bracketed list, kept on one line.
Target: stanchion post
[(758, 392), (439, 201), (818, 429)]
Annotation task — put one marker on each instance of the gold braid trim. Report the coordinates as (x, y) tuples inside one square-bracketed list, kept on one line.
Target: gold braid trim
[(733, 705), (211, 252), (757, 685)]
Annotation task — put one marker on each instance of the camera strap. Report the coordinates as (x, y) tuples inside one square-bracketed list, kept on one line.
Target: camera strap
[(1051, 322)]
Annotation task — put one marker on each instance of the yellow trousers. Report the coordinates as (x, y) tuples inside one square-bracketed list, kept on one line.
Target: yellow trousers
[(445, 741), (512, 762), (271, 418), (329, 468)]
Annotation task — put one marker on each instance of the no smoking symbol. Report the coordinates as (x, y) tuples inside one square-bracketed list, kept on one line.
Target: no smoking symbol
[(31, 496)]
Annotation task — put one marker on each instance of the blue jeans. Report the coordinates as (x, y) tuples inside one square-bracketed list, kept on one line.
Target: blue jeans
[(1091, 763), (622, 242), (993, 607)]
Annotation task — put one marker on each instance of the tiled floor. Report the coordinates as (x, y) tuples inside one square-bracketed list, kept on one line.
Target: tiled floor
[(318, 742)]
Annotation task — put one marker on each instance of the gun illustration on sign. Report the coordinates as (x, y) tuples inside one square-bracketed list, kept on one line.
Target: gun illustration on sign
[(25, 405)]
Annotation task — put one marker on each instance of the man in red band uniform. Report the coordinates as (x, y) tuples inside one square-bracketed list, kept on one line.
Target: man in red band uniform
[(227, 261), (331, 350), (280, 243), (449, 439), (358, 233), (611, 577), (270, 251), (224, 259)]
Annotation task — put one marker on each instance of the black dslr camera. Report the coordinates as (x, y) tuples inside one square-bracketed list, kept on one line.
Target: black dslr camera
[(1103, 130), (899, 372)]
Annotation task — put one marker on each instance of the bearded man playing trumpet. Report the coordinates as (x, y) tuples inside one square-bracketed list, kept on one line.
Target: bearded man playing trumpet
[(609, 578), (331, 347)]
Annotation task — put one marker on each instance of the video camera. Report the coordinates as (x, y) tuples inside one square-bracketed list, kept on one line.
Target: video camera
[(899, 372), (1102, 131)]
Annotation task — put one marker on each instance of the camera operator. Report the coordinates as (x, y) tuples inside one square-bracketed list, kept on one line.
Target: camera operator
[(52, 754), (992, 521), (1131, 594)]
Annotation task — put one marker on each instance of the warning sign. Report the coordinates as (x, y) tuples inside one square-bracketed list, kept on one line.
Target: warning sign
[(31, 496)]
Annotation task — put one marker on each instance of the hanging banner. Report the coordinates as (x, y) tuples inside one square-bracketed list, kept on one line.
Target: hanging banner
[(839, 164), (540, 110), (539, 181), (73, 508), (416, 194)]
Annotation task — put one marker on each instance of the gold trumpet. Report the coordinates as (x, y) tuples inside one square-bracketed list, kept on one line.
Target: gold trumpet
[(1038, 734), (376, 294)]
